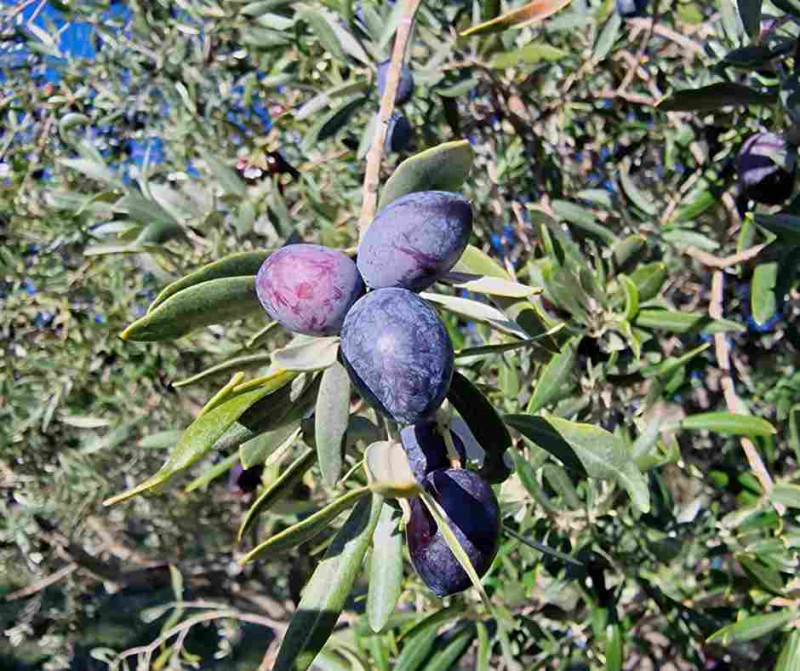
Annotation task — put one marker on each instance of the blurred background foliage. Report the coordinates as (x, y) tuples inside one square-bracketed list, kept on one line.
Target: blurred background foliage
[(141, 140)]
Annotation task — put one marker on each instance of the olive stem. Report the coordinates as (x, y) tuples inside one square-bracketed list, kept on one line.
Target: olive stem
[(369, 198)]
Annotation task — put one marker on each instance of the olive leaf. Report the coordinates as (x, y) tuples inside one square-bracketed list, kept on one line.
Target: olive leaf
[(310, 527), (477, 311), (553, 378), (715, 96), (233, 265), (492, 286), (314, 354), (281, 487), (325, 593), (235, 364), (213, 302), (331, 419), (684, 322), (586, 449), (441, 168), (203, 433), (386, 570), (729, 424)]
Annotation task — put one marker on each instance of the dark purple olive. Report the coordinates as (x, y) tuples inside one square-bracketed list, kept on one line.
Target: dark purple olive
[(398, 354), (308, 288), (766, 167), (244, 480), (415, 240), (426, 449), (405, 87), (474, 516)]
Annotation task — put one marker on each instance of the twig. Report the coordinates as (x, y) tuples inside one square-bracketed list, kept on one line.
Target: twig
[(369, 201), (732, 401), (148, 650), (723, 262), (53, 578), (626, 82)]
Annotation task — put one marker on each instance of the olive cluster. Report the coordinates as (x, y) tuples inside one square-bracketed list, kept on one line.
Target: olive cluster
[(399, 357)]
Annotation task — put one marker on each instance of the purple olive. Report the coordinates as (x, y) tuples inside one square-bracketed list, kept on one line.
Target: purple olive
[(308, 288), (415, 240), (398, 135), (404, 88), (766, 167), (426, 449), (398, 354), (474, 515), (244, 480)]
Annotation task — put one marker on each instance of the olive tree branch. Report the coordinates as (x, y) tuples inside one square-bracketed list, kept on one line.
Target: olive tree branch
[(369, 197), (732, 401)]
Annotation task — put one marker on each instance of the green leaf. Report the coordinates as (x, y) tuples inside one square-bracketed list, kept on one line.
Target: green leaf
[(161, 440), (441, 168), (530, 54), (553, 378), (447, 658), (484, 423), (313, 354), (325, 593), (311, 526), (416, 649), (607, 36), (93, 170), (671, 364), (538, 10), (561, 484), (763, 300), (323, 100), (212, 302), (143, 210), (492, 286), (586, 449), (752, 627), (484, 653), (787, 495), (789, 659), (322, 28), (761, 572), (234, 265), (281, 487), (750, 14), (476, 262), (477, 311), (331, 123), (236, 364), (649, 279), (684, 322), (330, 423), (631, 298), (225, 176), (217, 470), (582, 218), (728, 424), (268, 445), (459, 89), (201, 435), (714, 97), (544, 549), (386, 570), (636, 195), (613, 647)]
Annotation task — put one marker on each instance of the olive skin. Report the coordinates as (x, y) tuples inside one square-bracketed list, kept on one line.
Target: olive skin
[(415, 240), (308, 289), (405, 87), (426, 449), (474, 515), (766, 168), (398, 354)]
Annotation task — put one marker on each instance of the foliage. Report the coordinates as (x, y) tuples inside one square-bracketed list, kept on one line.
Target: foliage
[(624, 324)]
